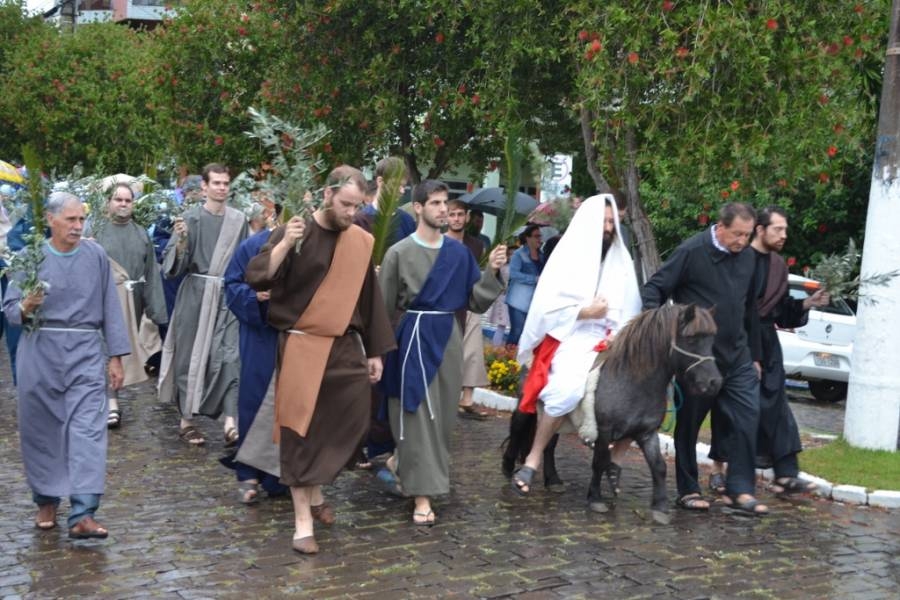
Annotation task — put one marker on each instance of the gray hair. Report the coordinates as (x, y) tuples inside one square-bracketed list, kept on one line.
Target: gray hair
[(254, 211), (59, 200)]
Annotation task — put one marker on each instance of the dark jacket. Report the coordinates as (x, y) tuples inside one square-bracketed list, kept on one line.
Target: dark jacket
[(697, 272)]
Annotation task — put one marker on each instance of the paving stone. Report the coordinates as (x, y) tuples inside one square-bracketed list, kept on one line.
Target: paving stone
[(178, 532)]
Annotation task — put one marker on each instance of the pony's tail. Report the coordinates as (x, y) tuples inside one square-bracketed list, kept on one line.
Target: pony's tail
[(516, 446)]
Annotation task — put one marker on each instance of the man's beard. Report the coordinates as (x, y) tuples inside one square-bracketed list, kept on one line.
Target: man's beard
[(433, 222), (607, 243), (334, 222)]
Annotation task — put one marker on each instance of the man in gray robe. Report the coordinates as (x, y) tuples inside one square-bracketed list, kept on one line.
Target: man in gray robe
[(201, 362), (429, 277), (71, 329), (138, 284)]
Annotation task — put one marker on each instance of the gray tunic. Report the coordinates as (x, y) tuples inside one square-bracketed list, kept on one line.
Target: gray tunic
[(129, 245), (61, 371), (423, 455), (222, 371)]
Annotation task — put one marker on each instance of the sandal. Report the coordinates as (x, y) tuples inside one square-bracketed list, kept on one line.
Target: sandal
[(717, 484), (114, 419), (522, 479), (248, 492), (231, 437), (693, 501), (470, 412), (323, 513), (789, 486), (88, 528), (191, 435), (425, 519), (45, 519), (746, 508)]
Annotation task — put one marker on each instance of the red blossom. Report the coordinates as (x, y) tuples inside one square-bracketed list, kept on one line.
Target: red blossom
[(476, 99), (823, 99), (596, 46), (791, 261), (782, 183), (242, 31), (838, 129), (735, 185), (438, 142), (218, 141), (439, 38), (668, 6), (327, 148), (633, 58), (848, 41), (682, 52), (771, 24), (822, 228), (724, 193), (823, 177), (703, 219), (858, 9), (832, 151), (583, 35)]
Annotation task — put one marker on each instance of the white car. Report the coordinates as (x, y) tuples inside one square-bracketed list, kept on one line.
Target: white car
[(820, 351)]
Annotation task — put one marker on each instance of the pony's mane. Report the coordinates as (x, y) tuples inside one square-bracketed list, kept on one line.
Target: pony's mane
[(642, 346)]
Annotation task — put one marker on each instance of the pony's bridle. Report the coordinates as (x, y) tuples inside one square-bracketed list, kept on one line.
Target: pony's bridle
[(698, 358)]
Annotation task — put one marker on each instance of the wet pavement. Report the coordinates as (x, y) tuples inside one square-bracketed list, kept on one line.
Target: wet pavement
[(177, 531)]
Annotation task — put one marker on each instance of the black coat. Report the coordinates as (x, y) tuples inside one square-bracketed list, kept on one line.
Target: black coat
[(697, 272)]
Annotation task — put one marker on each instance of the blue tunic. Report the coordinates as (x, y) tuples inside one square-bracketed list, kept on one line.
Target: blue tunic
[(258, 343), (61, 371)]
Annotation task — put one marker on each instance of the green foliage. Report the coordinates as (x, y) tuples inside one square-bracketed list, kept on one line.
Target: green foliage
[(743, 100), (211, 65), (15, 29), (83, 98), (424, 79), (388, 203)]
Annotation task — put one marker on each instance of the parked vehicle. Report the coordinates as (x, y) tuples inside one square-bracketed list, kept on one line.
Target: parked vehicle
[(820, 351)]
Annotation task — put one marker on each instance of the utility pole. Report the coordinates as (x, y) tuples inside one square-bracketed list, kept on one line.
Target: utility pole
[(873, 403)]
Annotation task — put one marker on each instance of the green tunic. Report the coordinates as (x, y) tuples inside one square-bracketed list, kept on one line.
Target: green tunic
[(423, 455)]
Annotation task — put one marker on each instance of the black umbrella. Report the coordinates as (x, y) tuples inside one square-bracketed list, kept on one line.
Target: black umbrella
[(493, 200)]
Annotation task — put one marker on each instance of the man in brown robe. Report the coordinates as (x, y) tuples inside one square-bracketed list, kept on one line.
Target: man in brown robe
[(327, 305)]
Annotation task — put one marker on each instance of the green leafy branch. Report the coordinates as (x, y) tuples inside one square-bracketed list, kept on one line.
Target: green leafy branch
[(840, 278), (388, 203)]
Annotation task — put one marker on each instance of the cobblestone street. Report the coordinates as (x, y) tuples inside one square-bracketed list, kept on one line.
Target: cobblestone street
[(177, 530)]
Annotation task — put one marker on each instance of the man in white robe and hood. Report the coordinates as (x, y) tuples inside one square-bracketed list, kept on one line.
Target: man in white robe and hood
[(586, 293)]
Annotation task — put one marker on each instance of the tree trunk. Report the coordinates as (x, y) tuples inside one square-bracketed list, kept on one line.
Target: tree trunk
[(590, 151), (645, 243)]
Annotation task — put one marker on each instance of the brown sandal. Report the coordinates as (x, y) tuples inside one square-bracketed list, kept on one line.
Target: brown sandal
[(45, 519), (191, 435), (305, 545), (323, 513), (470, 412), (88, 528)]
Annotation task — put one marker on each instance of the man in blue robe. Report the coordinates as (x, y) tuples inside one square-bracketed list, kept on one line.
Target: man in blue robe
[(74, 325), (258, 346)]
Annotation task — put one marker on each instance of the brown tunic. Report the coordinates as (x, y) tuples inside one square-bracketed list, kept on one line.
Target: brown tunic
[(341, 416)]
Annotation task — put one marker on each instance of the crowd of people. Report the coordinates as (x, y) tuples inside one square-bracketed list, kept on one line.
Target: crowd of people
[(314, 358)]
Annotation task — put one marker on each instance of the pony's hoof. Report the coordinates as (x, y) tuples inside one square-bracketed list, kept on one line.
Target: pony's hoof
[(660, 517), (599, 507)]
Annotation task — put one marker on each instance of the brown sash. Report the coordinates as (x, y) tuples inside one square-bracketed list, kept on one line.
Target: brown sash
[(309, 343)]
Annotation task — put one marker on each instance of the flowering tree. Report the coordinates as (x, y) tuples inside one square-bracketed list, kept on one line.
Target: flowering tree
[(690, 104), (427, 80), (84, 97)]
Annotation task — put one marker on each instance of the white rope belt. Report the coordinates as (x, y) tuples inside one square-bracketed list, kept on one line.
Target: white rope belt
[(69, 330), (418, 342), (207, 276), (130, 283), (296, 331)]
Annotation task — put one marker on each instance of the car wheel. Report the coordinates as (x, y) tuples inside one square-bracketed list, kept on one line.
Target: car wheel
[(828, 391)]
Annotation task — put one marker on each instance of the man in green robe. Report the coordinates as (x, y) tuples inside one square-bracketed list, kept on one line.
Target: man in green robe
[(428, 277)]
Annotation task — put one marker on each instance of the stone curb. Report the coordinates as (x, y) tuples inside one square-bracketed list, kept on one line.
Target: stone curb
[(848, 494)]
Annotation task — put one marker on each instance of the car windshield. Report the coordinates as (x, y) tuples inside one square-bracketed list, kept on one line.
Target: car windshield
[(836, 307)]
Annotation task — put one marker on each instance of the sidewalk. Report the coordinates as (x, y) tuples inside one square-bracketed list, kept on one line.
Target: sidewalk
[(177, 531)]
